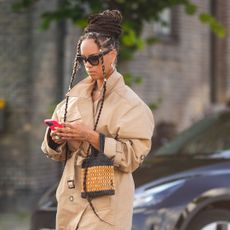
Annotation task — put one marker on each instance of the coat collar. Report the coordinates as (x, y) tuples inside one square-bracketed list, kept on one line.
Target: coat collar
[(83, 90), (85, 87)]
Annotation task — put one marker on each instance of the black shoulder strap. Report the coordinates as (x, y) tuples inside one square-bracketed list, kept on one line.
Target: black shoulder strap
[(101, 142)]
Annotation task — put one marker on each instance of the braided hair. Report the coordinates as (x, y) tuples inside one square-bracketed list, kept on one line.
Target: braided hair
[(105, 29)]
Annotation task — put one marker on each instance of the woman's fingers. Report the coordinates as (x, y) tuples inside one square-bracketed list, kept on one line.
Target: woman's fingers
[(68, 125), (74, 131), (69, 137), (63, 131), (69, 134), (56, 137)]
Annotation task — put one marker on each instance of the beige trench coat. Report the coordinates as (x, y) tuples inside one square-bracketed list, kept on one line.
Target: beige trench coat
[(128, 125)]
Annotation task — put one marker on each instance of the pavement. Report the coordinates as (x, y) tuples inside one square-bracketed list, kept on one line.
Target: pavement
[(15, 221)]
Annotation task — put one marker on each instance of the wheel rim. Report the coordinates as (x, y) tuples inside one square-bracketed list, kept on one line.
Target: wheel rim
[(220, 225)]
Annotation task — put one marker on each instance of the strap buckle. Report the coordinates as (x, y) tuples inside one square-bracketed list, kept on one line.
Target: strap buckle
[(70, 184)]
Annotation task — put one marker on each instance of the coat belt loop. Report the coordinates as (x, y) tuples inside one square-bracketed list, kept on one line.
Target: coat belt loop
[(70, 184)]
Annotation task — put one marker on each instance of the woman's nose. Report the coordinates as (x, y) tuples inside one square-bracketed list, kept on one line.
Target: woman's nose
[(87, 64)]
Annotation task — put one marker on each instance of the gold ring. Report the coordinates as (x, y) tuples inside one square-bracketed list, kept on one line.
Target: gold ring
[(57, 137)]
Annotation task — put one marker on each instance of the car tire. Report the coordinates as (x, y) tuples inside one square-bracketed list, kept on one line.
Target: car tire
[(209, 219)]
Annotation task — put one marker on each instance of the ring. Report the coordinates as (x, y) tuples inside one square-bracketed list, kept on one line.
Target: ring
[(57, 137)]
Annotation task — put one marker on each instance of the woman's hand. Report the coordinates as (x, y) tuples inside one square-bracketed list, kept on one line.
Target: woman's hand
[(74, 131), (78, 131)]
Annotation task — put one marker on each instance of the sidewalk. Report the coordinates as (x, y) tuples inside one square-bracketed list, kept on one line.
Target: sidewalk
[(15, 221)]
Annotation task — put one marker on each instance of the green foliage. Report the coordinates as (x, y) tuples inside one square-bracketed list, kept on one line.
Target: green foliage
[(19, 5), (152, 40), (155, 105), (131, 79), (135, 13), (190, 8), (215, 26)]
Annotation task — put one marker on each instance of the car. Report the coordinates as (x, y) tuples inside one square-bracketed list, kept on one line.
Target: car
[(44, 215), (187, 184), (184, 185)]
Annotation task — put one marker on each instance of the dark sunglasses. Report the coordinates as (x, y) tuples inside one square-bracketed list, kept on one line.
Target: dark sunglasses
[(93, 59)]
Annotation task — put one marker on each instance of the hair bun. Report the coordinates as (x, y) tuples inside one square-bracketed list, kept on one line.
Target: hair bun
[(116, 14), (107, 22)]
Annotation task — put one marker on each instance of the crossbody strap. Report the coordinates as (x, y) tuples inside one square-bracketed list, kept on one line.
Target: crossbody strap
[(101, 142)]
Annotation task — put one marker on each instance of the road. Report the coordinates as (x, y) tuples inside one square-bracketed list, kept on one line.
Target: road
[(15, 221)]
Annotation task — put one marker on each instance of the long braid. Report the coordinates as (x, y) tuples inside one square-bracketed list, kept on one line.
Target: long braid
[(76, 67)]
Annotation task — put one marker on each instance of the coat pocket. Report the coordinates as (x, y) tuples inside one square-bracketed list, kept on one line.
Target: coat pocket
[(102, 203), (105, 210)]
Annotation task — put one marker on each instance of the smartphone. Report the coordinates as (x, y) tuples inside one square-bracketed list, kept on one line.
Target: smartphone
[(53, 124)]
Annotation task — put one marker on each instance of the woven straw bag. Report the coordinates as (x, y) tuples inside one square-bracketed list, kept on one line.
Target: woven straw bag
[(97, 173)]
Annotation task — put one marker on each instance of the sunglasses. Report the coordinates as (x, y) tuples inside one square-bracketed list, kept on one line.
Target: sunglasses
[(93, 59)]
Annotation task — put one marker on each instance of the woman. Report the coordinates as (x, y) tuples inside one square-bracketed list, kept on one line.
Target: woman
[(101, 100)]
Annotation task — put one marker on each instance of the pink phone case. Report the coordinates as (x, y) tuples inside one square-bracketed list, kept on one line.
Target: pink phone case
[(53, 124)]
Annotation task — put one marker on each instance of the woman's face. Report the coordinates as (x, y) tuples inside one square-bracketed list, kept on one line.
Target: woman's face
[(89, 47)]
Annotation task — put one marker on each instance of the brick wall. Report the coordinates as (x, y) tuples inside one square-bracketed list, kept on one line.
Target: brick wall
[(28, 64), (15, 50), (46, 87), (71, 38), (227, 48), (177, 71), (219, 50)]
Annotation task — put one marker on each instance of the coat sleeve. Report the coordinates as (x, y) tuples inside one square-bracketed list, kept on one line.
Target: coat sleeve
[(133, 142), (50, 148)]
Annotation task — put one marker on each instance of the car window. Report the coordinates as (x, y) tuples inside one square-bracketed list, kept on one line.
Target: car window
[(188, 139), (213, 140)]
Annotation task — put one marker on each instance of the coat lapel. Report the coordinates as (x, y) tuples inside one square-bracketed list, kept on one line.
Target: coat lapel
[(85, 108)]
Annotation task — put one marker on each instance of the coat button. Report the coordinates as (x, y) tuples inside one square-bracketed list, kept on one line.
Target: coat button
[(71, 198), (142, 157)]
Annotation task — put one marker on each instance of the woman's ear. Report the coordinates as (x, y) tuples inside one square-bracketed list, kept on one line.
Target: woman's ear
[(113, 56)]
